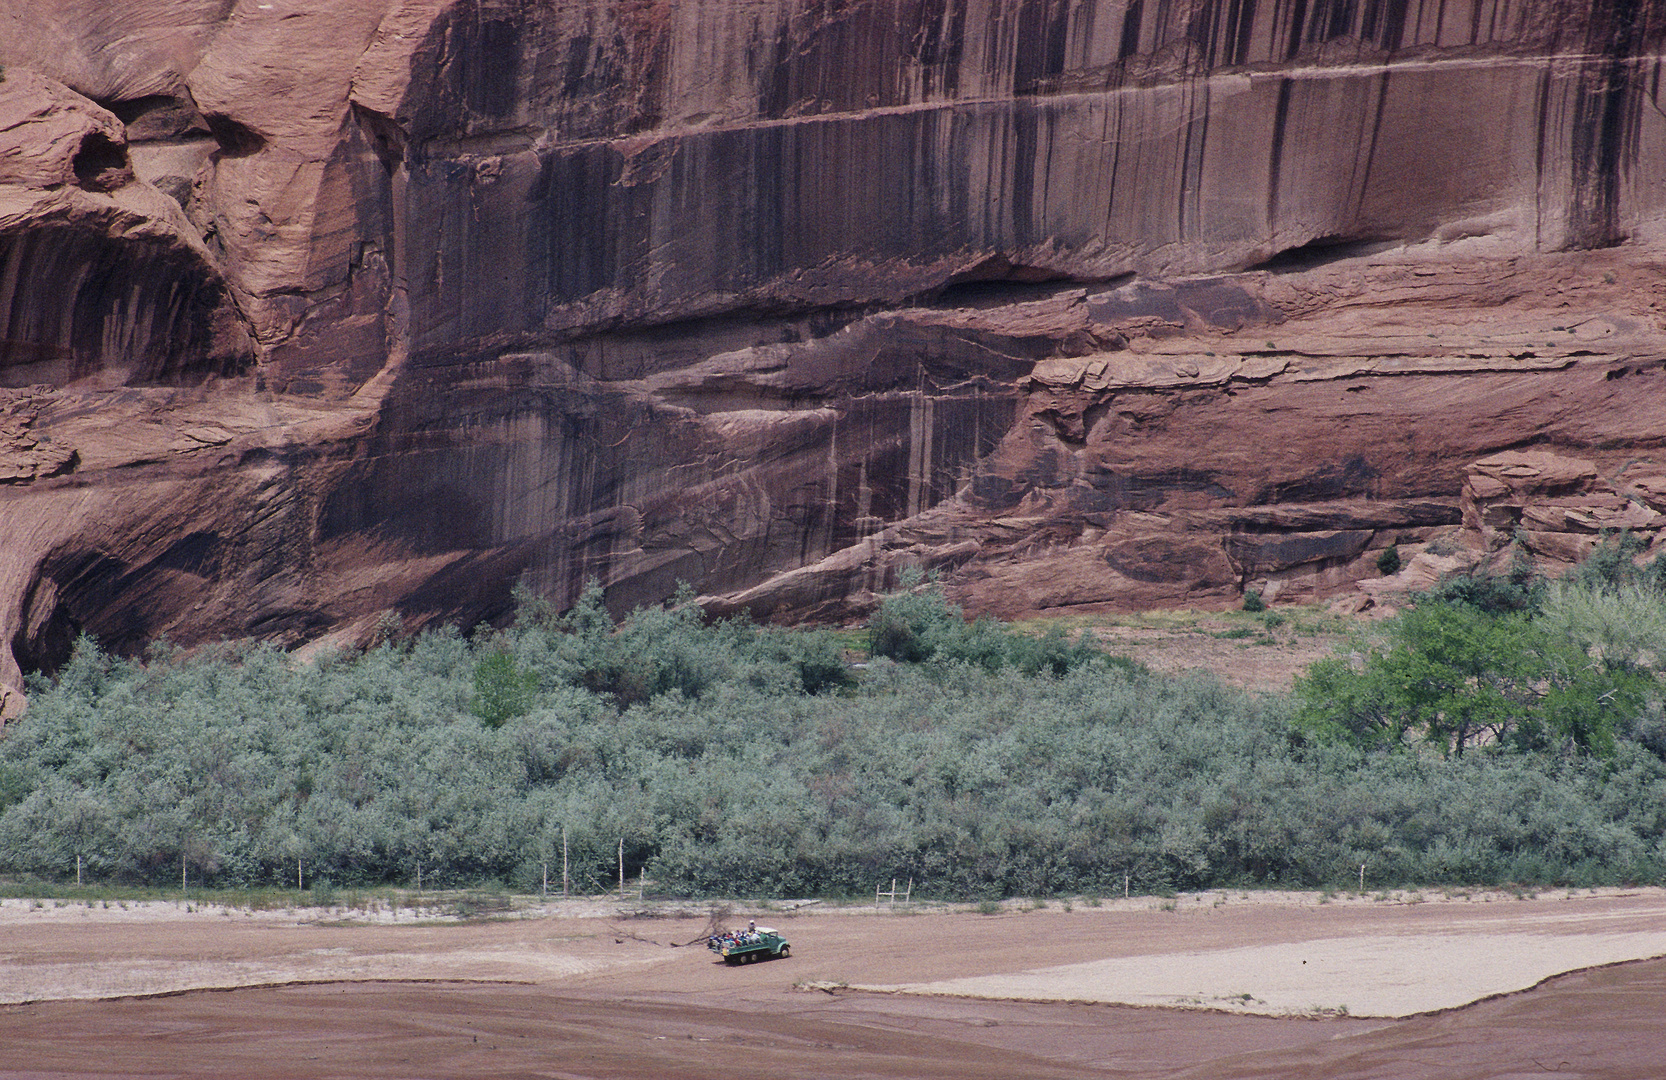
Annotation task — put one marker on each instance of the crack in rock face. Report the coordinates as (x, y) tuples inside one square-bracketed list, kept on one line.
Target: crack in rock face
[(320, 310)]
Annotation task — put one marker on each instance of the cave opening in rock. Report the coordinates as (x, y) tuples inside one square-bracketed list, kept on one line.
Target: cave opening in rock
[(1321, 251), (101, 163), (48, 648), (75, 592), (997, 281), (235, 139)]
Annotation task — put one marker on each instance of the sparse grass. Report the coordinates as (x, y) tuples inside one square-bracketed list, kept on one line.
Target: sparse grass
[(1247, 629), (1311, 619), (1160, 619), (122, 897), (989, 907), (852, 639)]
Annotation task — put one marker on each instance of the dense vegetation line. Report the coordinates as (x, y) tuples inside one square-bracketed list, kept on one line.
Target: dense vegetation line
[(740, 760)]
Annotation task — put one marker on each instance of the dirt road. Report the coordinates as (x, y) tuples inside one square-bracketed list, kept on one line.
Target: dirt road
[(574, 994)]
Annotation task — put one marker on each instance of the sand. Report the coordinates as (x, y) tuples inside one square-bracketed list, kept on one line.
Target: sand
[(1452, 955), (1227, 985)]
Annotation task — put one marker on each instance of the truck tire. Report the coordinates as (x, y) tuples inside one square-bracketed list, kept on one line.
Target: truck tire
[(786, 950)]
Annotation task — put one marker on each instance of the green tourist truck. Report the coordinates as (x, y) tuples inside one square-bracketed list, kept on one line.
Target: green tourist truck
[(749, 945)]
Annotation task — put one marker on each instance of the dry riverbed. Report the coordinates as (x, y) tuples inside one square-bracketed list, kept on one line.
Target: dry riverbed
[(1223, 984)]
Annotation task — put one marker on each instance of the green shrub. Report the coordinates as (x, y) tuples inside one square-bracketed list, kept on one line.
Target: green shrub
[(1519, 588), (1611, 564), (724, 773), (1388, 561), (1253, 601), (1453, 676), (1506, 661), (502, 691), (920, 625), (910, 626)]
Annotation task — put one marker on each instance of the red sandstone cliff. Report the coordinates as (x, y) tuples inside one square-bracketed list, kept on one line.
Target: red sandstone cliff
[(312, 311)]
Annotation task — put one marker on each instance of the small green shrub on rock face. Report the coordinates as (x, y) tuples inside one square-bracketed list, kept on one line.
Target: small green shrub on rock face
[(1518, 588), (1612, 567), (1388, 563), (1253, 601)]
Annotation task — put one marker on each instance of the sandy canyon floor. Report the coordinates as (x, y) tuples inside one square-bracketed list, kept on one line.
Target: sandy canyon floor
[(1224, 985)]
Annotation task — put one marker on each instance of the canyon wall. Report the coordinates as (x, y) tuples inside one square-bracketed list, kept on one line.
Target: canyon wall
[(317, 314)]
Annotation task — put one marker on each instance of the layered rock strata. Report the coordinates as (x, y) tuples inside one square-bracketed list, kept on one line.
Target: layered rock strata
[(316, 311)]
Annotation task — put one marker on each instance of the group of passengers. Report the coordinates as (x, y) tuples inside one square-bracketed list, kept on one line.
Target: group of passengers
[(734, 938)]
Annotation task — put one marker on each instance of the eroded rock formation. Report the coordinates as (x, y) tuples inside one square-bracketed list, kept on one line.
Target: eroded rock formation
[(314, 311)]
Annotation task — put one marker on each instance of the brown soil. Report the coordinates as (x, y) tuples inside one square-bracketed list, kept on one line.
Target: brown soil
[(1234, 648), (607, 996)]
